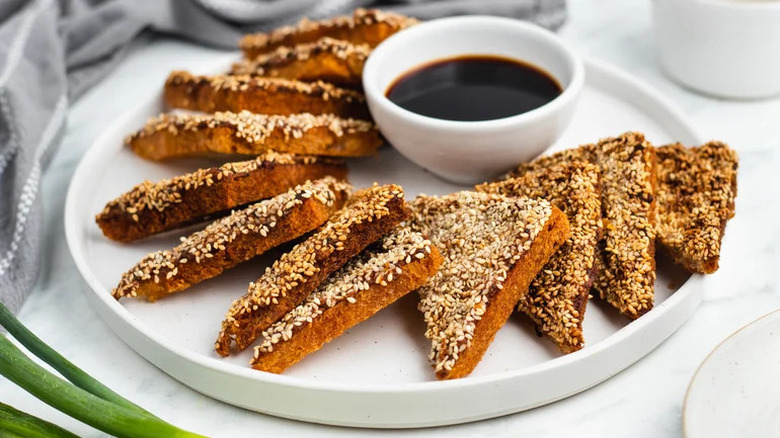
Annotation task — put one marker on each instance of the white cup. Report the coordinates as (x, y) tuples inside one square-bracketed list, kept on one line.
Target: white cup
[(471, 152), (726, 48)]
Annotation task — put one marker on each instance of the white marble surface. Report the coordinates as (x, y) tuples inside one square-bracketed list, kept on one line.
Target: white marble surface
[(643, 401)]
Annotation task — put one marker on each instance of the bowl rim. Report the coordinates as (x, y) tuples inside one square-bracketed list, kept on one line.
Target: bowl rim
[(567, 97)]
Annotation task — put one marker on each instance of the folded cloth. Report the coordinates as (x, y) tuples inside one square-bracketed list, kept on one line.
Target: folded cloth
[(52, 50)]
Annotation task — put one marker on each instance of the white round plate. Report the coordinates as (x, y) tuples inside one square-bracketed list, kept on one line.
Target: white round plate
[(736, 390), (375, 375)]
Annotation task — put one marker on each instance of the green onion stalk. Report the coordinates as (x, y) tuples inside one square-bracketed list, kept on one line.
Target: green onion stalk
[(85, 399), (63, 366), (16, 423)]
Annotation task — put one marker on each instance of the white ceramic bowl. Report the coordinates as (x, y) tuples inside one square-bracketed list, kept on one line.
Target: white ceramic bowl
[(726, 48), (471, 152)]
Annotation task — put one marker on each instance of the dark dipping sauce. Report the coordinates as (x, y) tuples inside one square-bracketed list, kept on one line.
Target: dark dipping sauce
[(473, 88)]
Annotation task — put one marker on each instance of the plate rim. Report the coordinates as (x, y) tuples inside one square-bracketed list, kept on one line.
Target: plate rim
[(774, 314), (78, 253)]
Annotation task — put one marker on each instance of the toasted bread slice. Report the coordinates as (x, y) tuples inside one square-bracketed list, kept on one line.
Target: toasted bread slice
[(399, 263), (628, 187), (329, 60), (369, 214), (696, 191), (245, 133), (261, 95), (558, 295), (234, 239), (493, 246), (363, 27), (152, 208)]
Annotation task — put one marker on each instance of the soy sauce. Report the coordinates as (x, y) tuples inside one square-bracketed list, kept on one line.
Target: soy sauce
[(474, 88)]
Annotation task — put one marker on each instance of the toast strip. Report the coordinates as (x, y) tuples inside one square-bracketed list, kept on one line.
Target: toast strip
[(245, 133), (558, 295), (696, 191), (151, 208), (628, 187), (493, 246), (370, 214), (363, 27), (326, 59), (233, 239), (384, 272), (261, 95)]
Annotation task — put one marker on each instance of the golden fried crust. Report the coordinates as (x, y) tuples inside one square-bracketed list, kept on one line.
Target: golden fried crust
[(558, 295), (696, 191), (261, 95), (369, 27), (628, 188), (152, 208), (493, 246), (369, 215), (401, 262), (585, 153), (245, 133), (329, 60), (518, 279), (233, 239)]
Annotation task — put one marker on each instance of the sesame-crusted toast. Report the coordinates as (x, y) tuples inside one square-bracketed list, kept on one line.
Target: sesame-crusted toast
[(369, 214), (151, 208), (246, 133), (558, 295), (261, 95), (363, 27), (397, 264), (493, 246), (696, 191), (234, 239), (627, 164), (329, 60)]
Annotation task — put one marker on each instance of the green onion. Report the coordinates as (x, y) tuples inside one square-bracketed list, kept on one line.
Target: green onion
[(68, 370), (103, 409), (78, 403), (17, 423)]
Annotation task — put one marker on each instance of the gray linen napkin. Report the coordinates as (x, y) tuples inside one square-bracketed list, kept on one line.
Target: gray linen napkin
[(51, 51)]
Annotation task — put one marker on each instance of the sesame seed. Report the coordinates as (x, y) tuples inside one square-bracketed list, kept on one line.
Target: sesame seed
[(215, 242), (347, 283), (696, 191), (368, 26), (467, 226), (279, 61), (567, 277), (150, 199), (323, 90), (253, 128), (305, 260), (261, 94), (626, 165)]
